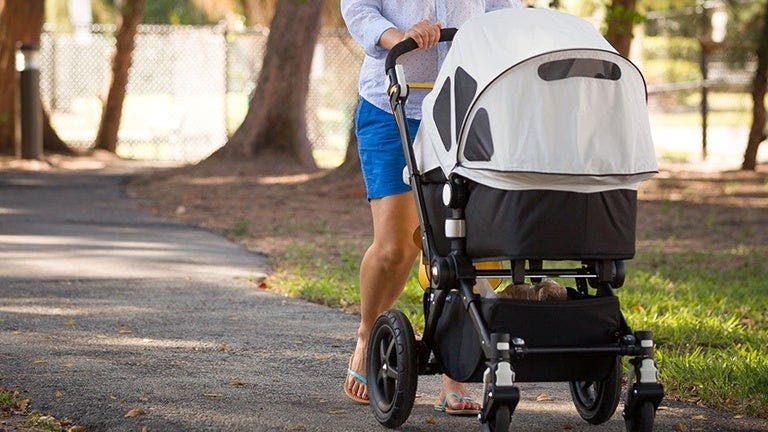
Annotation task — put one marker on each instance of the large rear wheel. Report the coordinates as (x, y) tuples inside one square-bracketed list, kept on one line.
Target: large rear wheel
[(391, 370), (596, 401)]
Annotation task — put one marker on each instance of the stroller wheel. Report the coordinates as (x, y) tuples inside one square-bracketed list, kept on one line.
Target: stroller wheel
[(392, 368), (642, 420), (596, 401), (499, 422)]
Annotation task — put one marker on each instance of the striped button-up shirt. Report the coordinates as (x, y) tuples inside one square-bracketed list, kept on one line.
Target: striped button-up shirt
[(368, 19)]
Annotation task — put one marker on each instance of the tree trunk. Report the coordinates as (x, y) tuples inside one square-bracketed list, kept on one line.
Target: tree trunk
[(351, 164), (276, 120), (757, 132), (21, 22), (621, 17), (125, 41)]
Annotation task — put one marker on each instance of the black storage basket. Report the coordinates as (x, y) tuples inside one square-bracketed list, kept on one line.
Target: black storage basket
[(538, 224), (578, 322)]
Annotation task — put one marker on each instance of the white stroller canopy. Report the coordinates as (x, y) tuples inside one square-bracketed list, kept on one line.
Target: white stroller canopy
[(537, 99)]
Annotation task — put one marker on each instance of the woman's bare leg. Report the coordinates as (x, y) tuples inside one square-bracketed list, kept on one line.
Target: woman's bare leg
[(383, 273)]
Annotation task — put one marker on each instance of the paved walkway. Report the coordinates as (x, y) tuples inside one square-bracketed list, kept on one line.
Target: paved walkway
[(104, 309)]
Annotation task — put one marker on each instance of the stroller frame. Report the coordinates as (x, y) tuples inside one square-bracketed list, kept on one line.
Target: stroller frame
[(392, 401)]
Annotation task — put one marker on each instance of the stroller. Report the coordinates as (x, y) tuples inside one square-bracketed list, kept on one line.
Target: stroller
[(532, 146)]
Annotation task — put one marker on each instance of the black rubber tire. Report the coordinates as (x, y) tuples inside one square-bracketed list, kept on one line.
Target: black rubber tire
[(642, 420), (499, 422), (391, 368), (596, 401)]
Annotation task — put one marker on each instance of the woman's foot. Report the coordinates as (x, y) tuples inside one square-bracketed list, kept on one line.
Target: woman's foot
[(355, 386), (454, 399)]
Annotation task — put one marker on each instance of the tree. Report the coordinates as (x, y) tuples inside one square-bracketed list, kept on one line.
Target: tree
[(757, 132), (125, 41), (620, 17), (276, 119), (21, 22)]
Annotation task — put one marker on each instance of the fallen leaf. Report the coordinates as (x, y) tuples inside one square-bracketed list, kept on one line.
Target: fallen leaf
[(17, 333), (124, 331), (263, 285), (234, 318), (22, 405), (337, 412), (39, 361), (213, 395), (662, 408), (69, 365), (143, 398), (680, 427), (58, 394), (236, 383), (145, 429), (70, 323), (430, 420), (225, 348), (76, 429), (135, 412), (568, 427), (698, 417), (298, 427), (738, 416), (543, 397), (323, 357)]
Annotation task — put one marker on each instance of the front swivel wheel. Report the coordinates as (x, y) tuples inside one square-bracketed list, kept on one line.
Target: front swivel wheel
[(391, 368), (499, 421)]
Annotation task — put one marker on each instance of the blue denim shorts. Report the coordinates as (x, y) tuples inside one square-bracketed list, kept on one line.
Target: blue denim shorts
[(381, 153)]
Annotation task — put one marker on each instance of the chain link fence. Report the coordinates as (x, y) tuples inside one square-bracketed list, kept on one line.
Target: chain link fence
[(188, 88)]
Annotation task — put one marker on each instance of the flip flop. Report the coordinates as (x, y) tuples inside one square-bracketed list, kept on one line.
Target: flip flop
[(443, 407), (358, 377)]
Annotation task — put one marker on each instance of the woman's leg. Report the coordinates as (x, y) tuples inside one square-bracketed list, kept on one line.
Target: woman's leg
[(383, 273), (384, 270)]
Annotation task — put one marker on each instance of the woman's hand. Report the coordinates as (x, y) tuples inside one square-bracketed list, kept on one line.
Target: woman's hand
[(426, 33)]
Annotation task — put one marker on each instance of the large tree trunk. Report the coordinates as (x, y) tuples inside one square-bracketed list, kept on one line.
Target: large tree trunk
[(621, 17), (21, 22), (125, 41), (25, 28), (276, 119), (757, 131)]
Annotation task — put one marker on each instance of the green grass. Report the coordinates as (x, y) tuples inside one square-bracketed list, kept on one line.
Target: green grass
[(7, 400), (708, 312)]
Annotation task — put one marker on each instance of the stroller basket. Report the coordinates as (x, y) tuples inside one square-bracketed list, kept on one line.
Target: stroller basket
[(576, 322)]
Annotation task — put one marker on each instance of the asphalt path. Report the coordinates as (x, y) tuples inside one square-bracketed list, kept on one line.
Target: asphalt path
[(105, 309)]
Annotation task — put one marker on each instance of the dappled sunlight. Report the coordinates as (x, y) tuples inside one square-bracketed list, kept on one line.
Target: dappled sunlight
[(12, 211), (214, 180), (288, 179), (71, 310), (130, 341)]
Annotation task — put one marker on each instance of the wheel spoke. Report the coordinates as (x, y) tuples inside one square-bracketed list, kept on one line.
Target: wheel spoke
[(390, 348), (383, 351), (392, 373)]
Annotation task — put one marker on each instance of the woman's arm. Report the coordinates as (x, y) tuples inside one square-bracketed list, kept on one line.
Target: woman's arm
[(376, 34), (426, 34), (366, 24)]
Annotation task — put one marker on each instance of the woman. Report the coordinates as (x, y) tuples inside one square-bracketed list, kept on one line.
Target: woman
[(377, 25)]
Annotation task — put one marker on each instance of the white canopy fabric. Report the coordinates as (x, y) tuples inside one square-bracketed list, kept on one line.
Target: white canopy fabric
[(537, 99)]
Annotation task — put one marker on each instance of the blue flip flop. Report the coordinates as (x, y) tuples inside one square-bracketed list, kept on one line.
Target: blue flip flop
[(443, 407), (358, 377)]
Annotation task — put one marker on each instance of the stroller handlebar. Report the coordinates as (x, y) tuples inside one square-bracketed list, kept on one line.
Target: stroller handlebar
[(408, 45)]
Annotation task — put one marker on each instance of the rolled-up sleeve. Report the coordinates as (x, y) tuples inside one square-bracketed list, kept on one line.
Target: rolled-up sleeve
[(492, 5), (366, 24)]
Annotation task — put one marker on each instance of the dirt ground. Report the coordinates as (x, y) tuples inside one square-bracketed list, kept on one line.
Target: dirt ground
[(266, 206)]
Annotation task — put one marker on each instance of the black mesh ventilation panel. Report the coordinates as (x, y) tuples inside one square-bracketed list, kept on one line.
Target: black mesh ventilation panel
[(479, 144), (579, 68), (442, 114), (464, 91)]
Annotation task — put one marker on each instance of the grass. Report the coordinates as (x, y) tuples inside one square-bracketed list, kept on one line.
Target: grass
[(708, 312)]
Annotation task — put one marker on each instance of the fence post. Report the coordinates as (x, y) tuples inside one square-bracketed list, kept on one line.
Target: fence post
[(703, 67), (31, 109)]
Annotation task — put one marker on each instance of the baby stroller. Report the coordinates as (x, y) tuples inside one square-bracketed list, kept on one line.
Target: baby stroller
[(532, 146)]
